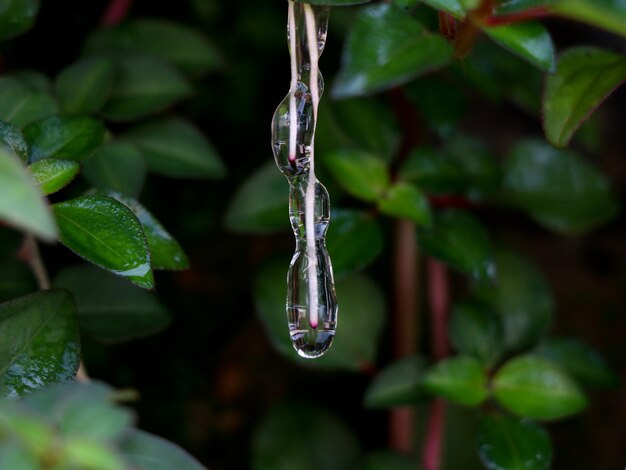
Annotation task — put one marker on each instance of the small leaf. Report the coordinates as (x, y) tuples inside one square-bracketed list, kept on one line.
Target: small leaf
[(21, 203), (20, 105), (118, 166), (111, 309), (387, 48), (397, 385), (52, 175), (460, 241), (144, 450), (606, 14), (507, 443), (44, 345), (585, 77), (516, 6), (459, 379), (535, 388), (405, 201), (530, 40), (361, 174), (69, 138), (84, 87), (17, 17), (174, 147), (433, 171), (11, 138), (106, 233)]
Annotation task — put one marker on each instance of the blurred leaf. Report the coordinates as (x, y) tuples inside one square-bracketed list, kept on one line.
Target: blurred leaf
[(433, 171), (461, 242), (21, 203), (21, 105), (118, 166), (111, 309), (453, 7), (557, 188), (280, 444), (336, 3), (529, 40), (92, 455), (476, 331), (397, 384), (579, 360), (106, 233), (261, 203), (606, 14), (143, 86), (174, 147), (69, 138), (386, 48), (14, 456), (26, 429), (44, 345), (482, 175), (403, 200), (354, 240), (17, 17), (16, 279), (387, 460), (515, 6), (83, 88), (585, 77), (507, 443), (96, 420), (146, 451), (11, 138), (533, 387), (361, 174), (460, 379), (52, 175), (33, 79), (175, 43)]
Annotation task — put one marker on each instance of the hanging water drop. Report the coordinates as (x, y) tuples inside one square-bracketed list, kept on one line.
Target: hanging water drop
[(311, 300)]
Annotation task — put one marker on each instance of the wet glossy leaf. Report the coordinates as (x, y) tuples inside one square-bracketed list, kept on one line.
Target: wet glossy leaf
[(106, 233), (84, 87), (143, 86), (606, 14), (69, 138), (397, 384), (387, 48), (515, 6), (460, 241), (533, 387), (460, 379), (281, 430), (118, 166), (354, 240), (530, 40), (579, 360), (434, 171), (21, 203), (16, 279), (175, 147), (557, 188), (52, 175), (508, 443), (44, 346), (361, 174), (585, 77), (17, 17), (11, 138), (387, 460), (147, 451), (111, 309), (20, 105), (405, 201), (261, 203)]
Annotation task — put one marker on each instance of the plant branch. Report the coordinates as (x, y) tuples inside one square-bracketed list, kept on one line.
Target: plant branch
[(531, 14), (30, 253), (116, 12)]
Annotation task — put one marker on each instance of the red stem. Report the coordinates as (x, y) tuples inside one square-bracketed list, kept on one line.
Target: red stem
[(116, 12), (433, 445), (533, 13)]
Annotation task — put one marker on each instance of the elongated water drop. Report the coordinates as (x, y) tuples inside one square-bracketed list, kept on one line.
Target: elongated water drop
[(311, 299)]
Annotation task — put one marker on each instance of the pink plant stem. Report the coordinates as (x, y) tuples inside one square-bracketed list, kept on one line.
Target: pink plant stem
[(116, 12)]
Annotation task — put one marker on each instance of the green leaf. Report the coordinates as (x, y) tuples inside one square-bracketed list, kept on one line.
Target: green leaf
[(175, 43), (397, 384), (606, 14), (461, 242), (354, 240), (405, 201), (85, 453), (118, 166), (521, 297), (44, 345), (84, 87), (516, 6), (21, 203), (433, 171), (145, 451), (95, 420), (361, 174), (11, 138), (143, 86), (33, 79), (69, 138), (460, 379), (476, 331), (530, 40), (175, 147), (111, 309), (579, 360), (16, 279), (52, 175), (279, 442), (336, 3), (261, 204), (15, 456), (20, 105), (533, 387), (106, 233), (17, 17), (557, 188), (386, 48), (482, 175), (507, 443), (387, 460), (585, 77)]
